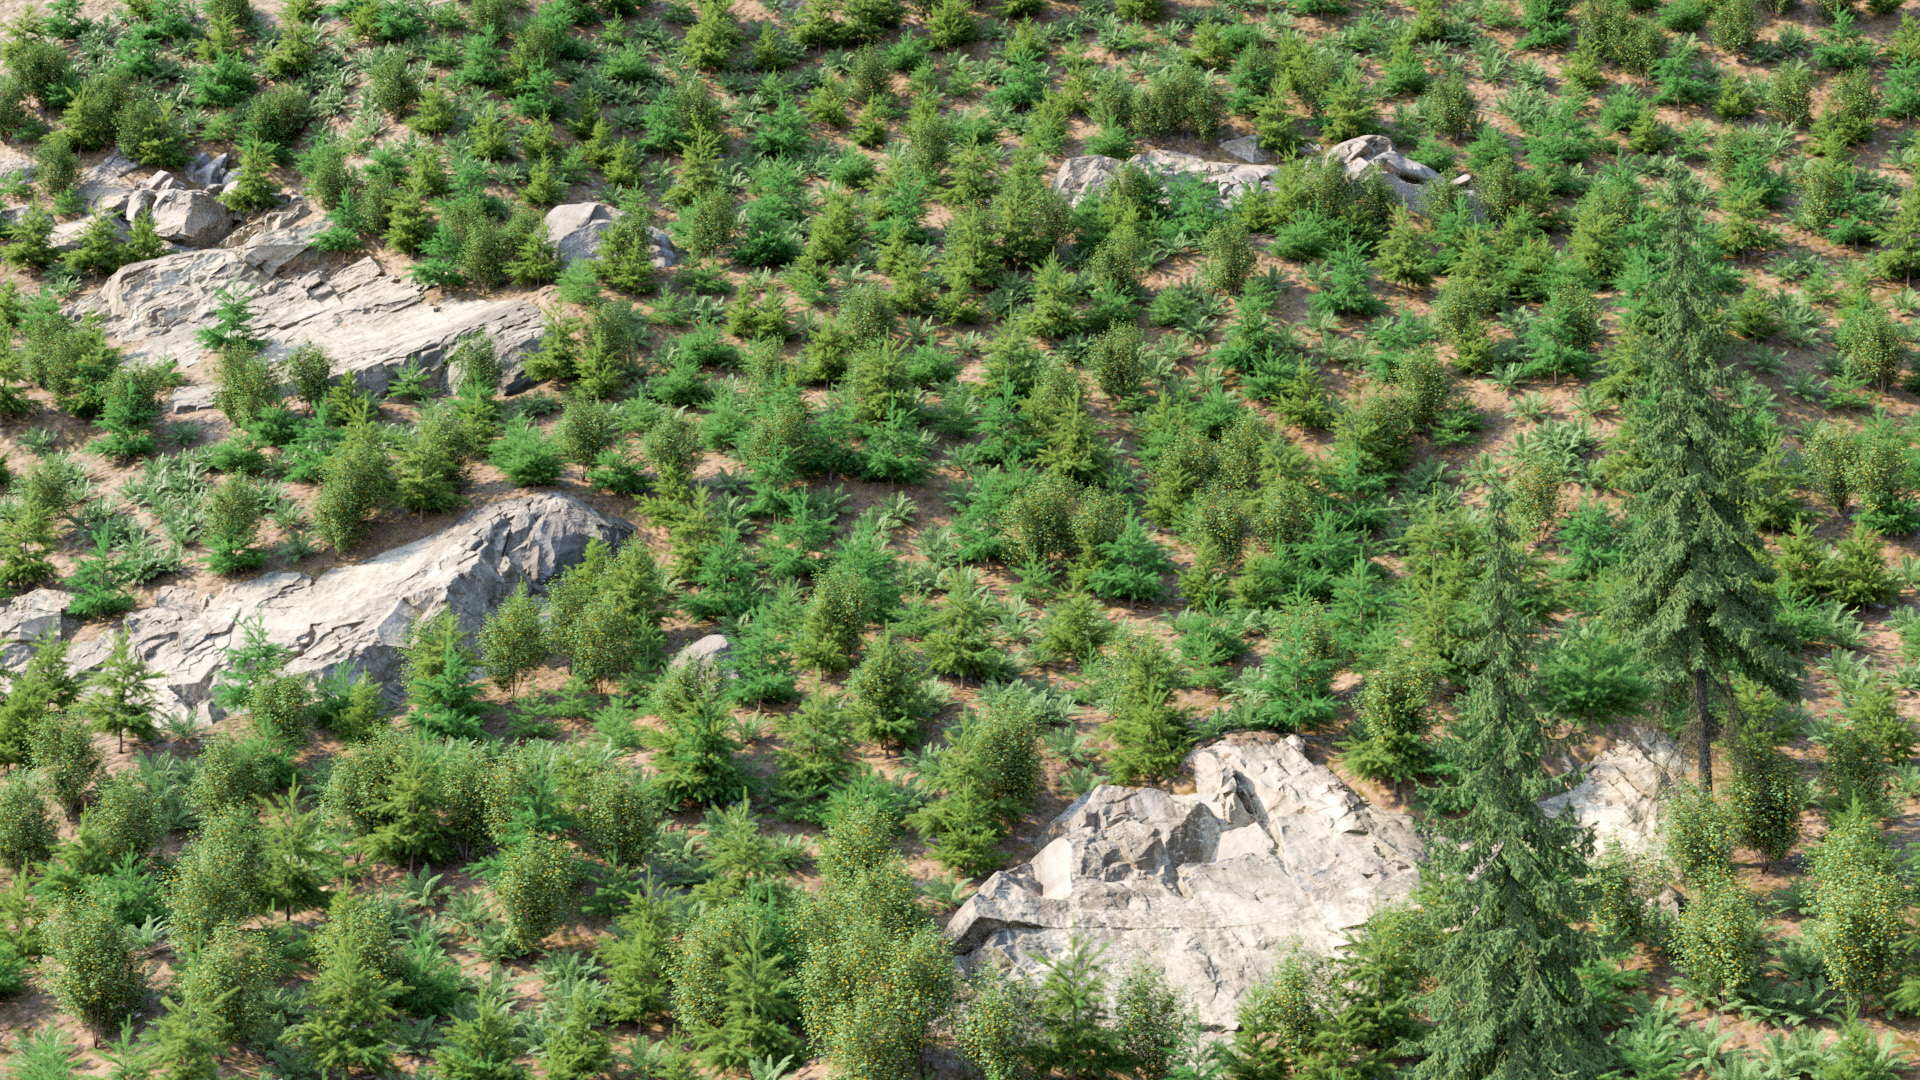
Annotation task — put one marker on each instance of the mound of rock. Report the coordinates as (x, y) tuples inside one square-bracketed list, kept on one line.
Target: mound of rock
[(1374, 155), (1619, 792), (371, 323), (1082, 176), (575, 230), (350, 618), (1271, 848), (1367, 155)]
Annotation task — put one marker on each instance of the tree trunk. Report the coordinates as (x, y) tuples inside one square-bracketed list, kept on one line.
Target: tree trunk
[(1704, 726)]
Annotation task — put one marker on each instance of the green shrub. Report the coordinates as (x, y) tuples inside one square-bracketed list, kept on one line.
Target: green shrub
[(1393, 710), (355, 480), (1699, 834), (27, 834), (533, 889), (1859, 905), (1717, 937), (217, 881), (97, 975)]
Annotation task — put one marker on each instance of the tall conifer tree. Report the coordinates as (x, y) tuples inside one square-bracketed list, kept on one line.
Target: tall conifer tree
[(1509, 1002), (1695, 608)]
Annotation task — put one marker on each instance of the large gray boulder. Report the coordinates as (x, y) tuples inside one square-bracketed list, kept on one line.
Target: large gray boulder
[(189, 217), (575, 228), (1271, 848), (370, 322), (1620, 793), (354, 618)]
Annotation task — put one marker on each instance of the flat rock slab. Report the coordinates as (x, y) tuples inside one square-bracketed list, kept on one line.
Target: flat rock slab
[(354, 618), (371, 323), (1271, 848)]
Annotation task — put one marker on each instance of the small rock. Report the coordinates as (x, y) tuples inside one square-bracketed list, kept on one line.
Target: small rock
[(137, 202), (664, 255), (712, 649), (1463, 180), (1670, 900), (1247, 149), (161, 181)]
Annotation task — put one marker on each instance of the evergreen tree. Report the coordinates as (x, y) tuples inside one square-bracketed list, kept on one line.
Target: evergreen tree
[(694, 753), (575, 1049), (963, 642), (1405, 257), (350, 1019), (888, 694), (638, 960), (101, 250), (432, 466), (1149, 736), (255, 188), (484, 1046), (512, 641), (1696, 608), (1509, 1001)]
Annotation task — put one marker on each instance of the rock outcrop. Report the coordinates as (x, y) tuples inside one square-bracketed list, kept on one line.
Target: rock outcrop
[(1619, 793), (1079, 177), (1404, 178), (353, 617), (371, 323), (1270, 848), (1374, 155), (29, 618)]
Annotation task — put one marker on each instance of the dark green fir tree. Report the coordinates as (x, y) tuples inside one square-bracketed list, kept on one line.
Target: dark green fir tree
[(1697, 609), (1508, 1001)]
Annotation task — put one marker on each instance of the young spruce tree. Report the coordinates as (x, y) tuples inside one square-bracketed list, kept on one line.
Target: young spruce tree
[(1508, 993)]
